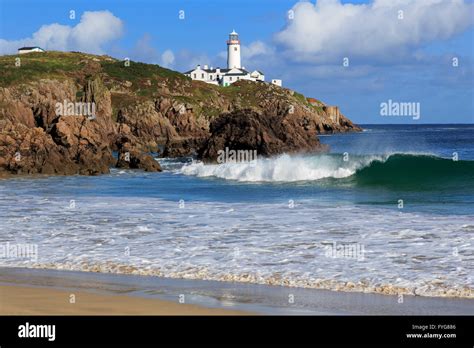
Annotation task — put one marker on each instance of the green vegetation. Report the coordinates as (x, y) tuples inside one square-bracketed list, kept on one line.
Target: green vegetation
[(34, 66), (136, 82), (319, 109), (53, 64), (136, 72), (79, 94)]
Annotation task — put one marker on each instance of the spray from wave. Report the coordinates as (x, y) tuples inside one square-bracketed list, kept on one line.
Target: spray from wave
[(391, 169)]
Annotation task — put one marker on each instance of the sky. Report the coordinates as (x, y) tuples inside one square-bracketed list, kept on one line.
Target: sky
[(354, 54)]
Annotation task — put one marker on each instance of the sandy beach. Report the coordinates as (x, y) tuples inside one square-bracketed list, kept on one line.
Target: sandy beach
[(19, 300), (47, 292)]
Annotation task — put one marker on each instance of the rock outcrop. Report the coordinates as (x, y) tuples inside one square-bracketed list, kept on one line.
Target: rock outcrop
[(85, 142), (72, 146), (129, 156), (35, 139), (25, 150), (268, 134)]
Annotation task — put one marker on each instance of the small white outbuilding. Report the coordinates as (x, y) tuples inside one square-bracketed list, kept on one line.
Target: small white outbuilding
[(276, 82), (24, 50)]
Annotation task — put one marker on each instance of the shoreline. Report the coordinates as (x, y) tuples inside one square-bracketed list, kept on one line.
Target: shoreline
[(39, 291), (326, 285)]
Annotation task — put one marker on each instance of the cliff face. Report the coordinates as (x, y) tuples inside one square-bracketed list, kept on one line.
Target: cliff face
[(139, 108)]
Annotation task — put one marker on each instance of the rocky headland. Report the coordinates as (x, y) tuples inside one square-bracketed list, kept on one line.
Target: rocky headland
[(142, 109)]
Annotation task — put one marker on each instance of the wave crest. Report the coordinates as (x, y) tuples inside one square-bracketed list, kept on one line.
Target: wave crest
[(414, 170), (284, 168)]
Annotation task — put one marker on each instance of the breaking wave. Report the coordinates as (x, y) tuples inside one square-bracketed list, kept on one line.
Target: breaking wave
[(393, 169), (284, 168)]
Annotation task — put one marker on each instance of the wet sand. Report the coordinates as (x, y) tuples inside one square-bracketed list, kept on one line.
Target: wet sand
[(42, 291), (19, 300)]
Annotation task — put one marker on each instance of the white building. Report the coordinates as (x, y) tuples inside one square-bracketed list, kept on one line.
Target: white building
[(24, 50), (276, 82), (234, 71)]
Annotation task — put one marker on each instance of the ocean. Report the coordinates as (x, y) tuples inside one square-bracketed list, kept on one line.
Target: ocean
[(387, 210)]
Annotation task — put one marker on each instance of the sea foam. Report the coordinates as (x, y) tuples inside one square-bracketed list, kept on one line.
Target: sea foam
[(284, 168)]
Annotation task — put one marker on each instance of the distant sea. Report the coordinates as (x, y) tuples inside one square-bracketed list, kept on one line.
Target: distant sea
[(387, 210)]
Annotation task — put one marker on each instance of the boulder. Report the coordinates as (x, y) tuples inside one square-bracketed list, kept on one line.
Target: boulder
[(132, 158), (268, 134)]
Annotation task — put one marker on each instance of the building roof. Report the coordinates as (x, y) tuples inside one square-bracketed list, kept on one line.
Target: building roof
[(207, 70), (233, 32), (238, 69), (223, 71)]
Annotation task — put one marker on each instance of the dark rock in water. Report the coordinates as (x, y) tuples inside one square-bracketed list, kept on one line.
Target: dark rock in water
[(266, 133), (130, 154), (132, 158)]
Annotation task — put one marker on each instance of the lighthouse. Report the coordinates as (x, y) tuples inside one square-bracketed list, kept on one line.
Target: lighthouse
[(233, 51), (234, 72)]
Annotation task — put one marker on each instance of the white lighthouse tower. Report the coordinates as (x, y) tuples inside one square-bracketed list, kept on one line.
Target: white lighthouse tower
[(233, 51)]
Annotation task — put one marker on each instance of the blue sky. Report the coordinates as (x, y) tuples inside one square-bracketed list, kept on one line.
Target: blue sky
[(408, 59)]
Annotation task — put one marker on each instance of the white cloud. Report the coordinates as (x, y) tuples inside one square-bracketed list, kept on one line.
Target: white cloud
[(186, 59), (144, 50), (255, 55), (95, 29), (328, 29), (167, 59), (253, 50), (256, 48)]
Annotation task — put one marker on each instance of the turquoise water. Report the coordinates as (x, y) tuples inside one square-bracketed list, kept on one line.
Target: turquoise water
[(396, 194)]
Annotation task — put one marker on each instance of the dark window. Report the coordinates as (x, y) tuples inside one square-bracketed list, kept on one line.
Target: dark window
[(202, 75), (235, 48)]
